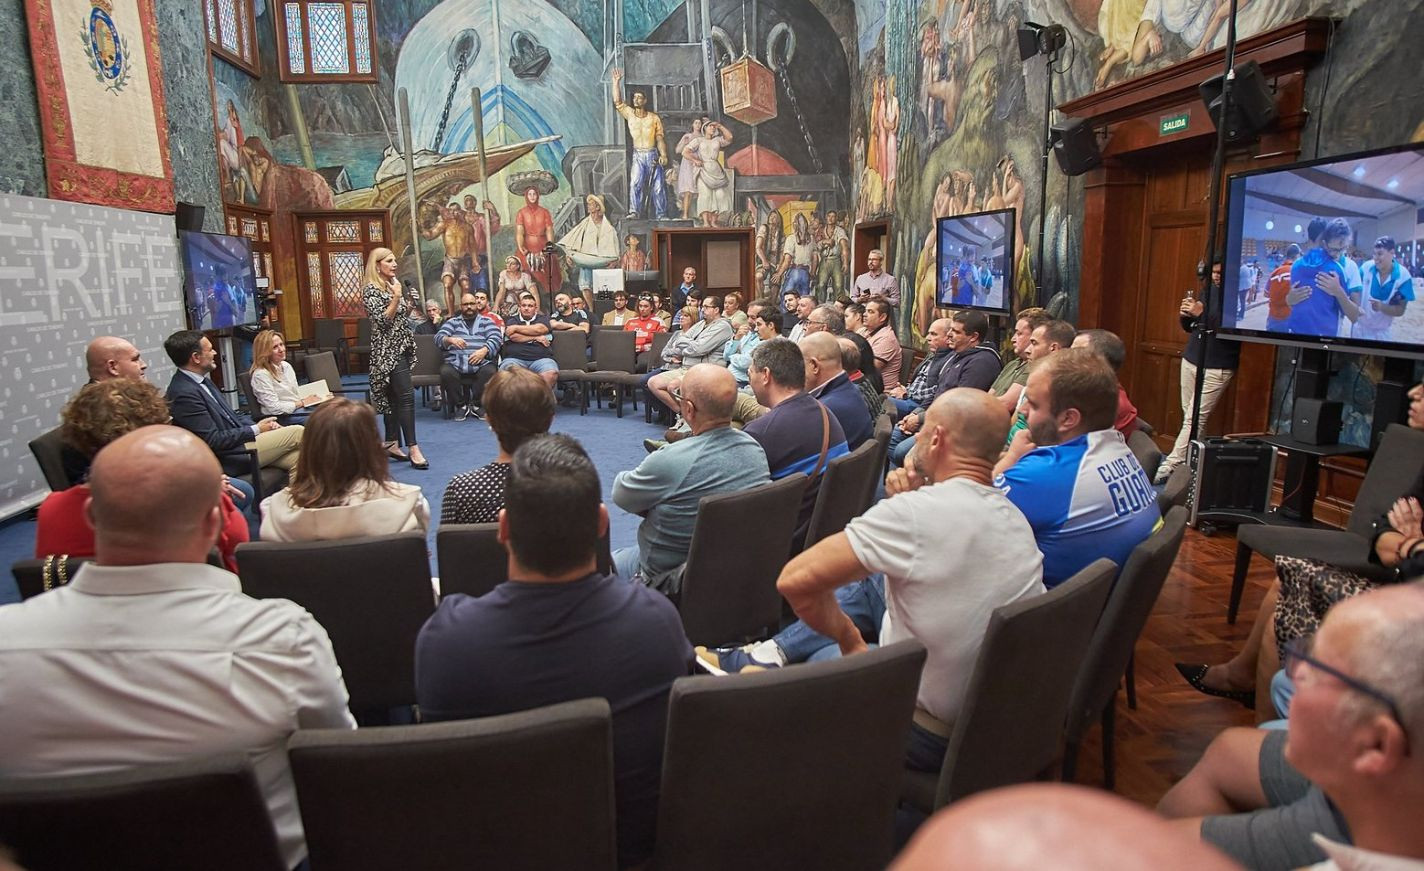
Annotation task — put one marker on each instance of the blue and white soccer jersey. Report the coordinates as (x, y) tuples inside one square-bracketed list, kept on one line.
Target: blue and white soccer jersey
[(1085, 499)]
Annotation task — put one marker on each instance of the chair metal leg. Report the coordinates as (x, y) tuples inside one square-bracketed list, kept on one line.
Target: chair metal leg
[(1238, 580), (1109, 721), (1130, 678), (583, 399), (618, 399)]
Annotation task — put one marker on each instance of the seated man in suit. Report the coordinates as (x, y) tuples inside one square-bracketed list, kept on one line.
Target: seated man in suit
[(196, 406)]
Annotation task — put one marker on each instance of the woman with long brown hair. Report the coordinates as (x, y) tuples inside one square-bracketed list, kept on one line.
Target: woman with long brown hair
[(342, 487), (392, 355)]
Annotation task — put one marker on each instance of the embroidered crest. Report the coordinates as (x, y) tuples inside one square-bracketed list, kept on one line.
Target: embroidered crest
[(108, 51)]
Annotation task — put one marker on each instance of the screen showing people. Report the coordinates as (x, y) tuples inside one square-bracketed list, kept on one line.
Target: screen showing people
[(973, 262), (1328, 251), (218, 281)]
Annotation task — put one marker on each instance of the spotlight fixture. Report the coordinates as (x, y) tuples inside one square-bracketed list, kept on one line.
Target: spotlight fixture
[(1036, 39), (1270, 225)]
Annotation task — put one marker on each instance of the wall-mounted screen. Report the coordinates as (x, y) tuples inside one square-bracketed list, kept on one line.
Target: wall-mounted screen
[(974, 257), (219, 283), (1325, 253)]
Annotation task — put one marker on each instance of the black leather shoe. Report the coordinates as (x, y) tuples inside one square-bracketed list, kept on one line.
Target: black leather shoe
[(1195, 674), (425, 464)]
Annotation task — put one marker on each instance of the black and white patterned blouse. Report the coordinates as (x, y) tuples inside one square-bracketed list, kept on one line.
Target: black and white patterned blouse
[(475, 496)]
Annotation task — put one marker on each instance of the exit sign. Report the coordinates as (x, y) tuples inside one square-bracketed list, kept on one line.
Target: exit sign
[(1174, 123)]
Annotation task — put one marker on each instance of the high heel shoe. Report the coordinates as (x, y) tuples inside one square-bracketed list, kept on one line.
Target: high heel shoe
[(1195, 675), (393, 452), (423, 464)]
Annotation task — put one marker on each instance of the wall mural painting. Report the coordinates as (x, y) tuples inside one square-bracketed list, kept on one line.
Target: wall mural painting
[(598, 129)]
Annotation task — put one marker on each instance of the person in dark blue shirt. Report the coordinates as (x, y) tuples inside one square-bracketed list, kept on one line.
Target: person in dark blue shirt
[(827, 381), (558, 630)]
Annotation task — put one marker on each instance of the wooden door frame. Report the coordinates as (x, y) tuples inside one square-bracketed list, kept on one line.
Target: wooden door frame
[(748, 279), (300, 246), (1114, 232), (867, 229)]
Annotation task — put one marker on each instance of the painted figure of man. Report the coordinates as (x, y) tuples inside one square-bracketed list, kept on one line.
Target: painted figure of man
[(479, 253), (645, 128), (455, 233), (795, 273), (832, 259)]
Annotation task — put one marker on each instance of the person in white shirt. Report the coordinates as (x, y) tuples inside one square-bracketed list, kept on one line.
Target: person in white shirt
[(150, 655), (274, 381)]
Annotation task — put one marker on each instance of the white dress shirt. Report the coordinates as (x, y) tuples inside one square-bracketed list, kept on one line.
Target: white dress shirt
[(276, 395), (129, 665)]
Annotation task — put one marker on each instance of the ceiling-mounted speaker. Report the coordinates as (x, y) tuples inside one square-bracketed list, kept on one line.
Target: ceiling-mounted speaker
[(1253, 106), (1076, 146)]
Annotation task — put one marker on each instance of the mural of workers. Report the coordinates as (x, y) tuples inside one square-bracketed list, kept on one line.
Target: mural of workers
[(645, 129), (534, 226)]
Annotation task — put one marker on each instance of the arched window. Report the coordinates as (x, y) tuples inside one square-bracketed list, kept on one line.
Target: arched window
[(326, 40)]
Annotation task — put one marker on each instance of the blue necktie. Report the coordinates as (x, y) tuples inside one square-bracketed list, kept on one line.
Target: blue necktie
[(217, 398)]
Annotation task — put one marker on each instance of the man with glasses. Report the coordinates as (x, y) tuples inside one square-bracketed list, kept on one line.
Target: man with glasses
[(701, 343), (1348, 771)]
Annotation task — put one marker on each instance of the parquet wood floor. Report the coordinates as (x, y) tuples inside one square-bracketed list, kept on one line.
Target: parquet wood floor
[(1160, 741)]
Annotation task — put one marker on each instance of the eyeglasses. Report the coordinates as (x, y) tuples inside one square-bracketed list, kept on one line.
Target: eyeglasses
[(676, 392), (711, 305), (1298, 651)]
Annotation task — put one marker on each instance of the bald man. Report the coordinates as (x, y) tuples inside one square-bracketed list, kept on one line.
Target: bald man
[(667, 486), (1346, 781), (109, 357), (150, 655), (1053, 825), (826, 380), (901, 557)]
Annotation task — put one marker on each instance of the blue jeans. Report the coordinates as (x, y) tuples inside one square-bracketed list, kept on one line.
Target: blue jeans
[(626, 561), (862, 601), (647, 178), (900, 445), (798, 278), (903, 406)]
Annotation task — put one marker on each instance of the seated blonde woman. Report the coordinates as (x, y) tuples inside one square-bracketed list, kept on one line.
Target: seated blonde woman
[(274, 381), (342, 487)]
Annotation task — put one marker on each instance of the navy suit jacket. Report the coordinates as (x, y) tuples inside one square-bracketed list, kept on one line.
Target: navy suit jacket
[(224, 430)]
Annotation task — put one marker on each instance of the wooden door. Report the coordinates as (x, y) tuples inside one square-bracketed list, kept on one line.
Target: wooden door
[(256, 226), (331, 262)]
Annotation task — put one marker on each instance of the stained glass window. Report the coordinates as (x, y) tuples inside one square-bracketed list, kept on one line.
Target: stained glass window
[(347, 268), (230, 25), (249, 227), (328, 40), (310, 232), (318, 304), (374, 231), (343, 231)]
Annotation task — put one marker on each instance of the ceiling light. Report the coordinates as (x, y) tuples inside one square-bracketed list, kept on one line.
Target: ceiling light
[(1270, 225)]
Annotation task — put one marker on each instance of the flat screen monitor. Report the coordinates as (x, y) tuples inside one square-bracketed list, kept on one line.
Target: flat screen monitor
[(219, 282), (974, 260), (1324, 254)]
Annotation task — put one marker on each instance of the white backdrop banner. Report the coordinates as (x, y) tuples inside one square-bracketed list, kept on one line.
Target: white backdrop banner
[(70, 272)]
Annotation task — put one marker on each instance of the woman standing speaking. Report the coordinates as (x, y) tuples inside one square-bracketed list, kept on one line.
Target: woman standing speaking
[(392, 355)]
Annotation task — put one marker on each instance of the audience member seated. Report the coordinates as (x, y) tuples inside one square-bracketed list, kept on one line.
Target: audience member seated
[(804, 305), (1014, 375), (274, 381), (732, 310), (471, 343), (831, 319), (196, 406), (919, 393), (931, 562), (827, 381), (1304, 589), (667, 486), (98, 414), (566, 317), (1053, 825), (1069, 472), (1047, 338), (109, 357), (620, 313), (526, 342), (149, 655), (644, 325), (850, 358), (1107, 345), (517, 407), (798, 433), (970, 364), (428, 323), (879, 331), (558, 630), (482, 307), (702, 342), (343, 486), (1345, 783), (753, 330)]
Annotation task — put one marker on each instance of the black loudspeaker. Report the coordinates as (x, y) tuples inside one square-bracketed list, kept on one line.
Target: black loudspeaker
[(1316, 421), (1231, 479), (1253, 107), (1076, 146), (189, 216)]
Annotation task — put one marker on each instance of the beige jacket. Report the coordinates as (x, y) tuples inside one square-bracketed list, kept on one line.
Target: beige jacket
[(370, 509)]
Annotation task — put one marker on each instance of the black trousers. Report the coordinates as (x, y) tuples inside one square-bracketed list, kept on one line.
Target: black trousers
[(464, 388), (400, 421)]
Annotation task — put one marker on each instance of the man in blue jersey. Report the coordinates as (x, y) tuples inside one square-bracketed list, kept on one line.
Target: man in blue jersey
[(798, 434), (1322, 282), (1071, 473)]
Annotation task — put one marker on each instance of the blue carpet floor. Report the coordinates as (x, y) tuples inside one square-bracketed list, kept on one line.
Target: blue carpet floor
[(452, 447)]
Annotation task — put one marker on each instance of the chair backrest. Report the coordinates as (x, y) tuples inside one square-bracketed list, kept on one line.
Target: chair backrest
[(884, 424), (48, 449), (206, 813), (729, 583), (613, 351), (471, 559), (907, 364), (30, 573), (1010, 728), (363, 331), (844, 493), (328, 332), (244, 381), (532, 790), (428, 358), (1126, 612), (1149, 456), (660, 341), (831, 732), (1395, 466), (371, 595), (321, 366), (1174, 493), (570, 349)]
